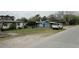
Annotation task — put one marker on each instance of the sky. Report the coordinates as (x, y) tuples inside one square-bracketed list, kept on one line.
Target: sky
[(27, 14)]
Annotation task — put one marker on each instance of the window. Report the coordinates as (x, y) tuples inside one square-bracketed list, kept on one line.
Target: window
[(5, 24)]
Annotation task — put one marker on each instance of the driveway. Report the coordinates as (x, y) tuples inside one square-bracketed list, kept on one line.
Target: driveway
[(65, 39)]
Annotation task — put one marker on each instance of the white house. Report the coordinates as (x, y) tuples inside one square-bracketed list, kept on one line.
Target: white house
[(6, 21)]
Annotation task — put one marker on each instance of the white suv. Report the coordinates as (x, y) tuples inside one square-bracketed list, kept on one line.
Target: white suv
[(57, 26)]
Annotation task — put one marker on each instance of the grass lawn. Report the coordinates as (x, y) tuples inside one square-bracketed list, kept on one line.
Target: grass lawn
[(44, 32), (29, 31)]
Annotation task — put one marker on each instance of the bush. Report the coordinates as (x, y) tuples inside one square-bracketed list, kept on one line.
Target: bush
[(12, 26), (31, 24)]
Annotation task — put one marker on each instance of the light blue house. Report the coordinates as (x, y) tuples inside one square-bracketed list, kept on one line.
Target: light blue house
[(43, 24)]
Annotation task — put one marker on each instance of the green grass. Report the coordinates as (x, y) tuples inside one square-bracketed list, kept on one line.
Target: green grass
[(29, 31), (33, 31)]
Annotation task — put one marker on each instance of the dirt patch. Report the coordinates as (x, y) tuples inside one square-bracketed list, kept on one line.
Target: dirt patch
[(20, 41), (13, 34), (67, 27)]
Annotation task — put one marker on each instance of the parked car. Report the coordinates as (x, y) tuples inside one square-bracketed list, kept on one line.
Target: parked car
[(57, 26)]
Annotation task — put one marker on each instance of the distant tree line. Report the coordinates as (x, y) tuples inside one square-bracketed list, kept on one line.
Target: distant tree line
[(67, 18)]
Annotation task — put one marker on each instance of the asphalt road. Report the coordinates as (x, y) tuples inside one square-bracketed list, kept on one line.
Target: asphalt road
[(66, 39)]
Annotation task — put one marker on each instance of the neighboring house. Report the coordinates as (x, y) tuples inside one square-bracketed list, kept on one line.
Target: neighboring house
[(43, 24), (20, 24), (6, 21)]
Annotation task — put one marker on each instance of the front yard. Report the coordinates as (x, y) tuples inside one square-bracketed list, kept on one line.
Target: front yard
[(29, 31)]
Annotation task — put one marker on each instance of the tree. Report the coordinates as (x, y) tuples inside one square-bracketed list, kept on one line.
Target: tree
[(66, 16), (74, 20), (12, 26), (35, 18), (77, 19), (59, 15), (23, 19), (52, 18), (44, 18), (31, 24)]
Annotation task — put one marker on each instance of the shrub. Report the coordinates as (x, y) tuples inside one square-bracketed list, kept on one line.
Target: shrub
[(12, 26), (31, 24)]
